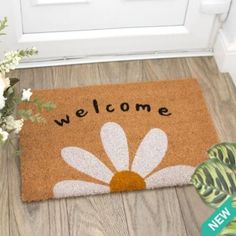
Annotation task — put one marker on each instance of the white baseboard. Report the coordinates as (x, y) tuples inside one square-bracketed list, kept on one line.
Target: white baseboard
[(225, 55), (44, 62)]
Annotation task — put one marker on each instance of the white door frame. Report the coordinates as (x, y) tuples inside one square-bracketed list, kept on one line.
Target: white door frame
[(112, 44)]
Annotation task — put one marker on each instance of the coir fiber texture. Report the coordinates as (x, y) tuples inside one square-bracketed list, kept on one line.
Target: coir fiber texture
[(111, 138)]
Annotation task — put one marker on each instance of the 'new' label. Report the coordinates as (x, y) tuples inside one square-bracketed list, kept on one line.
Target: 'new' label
[(219, 219)]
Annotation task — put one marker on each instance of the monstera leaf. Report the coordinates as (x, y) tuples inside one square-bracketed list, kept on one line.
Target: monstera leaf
[(224, 152), (214, 182)]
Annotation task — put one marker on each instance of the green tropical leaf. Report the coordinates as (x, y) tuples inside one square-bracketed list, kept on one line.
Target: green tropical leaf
[(230, 229), (224, 152), (214, 182)]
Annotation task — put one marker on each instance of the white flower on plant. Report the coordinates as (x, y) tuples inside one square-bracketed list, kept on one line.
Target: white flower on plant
[(3, 135), (13, 56), (2, 86), (7, 83), (19, 124), (13, 125), (10, 61), (4, 82), (2, 101), (34, 49), (26, 94)]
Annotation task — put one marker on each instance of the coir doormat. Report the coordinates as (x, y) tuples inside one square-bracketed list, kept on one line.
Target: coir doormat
[(111, 138)]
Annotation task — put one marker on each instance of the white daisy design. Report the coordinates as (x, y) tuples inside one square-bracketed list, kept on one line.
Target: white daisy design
[(137, 176)]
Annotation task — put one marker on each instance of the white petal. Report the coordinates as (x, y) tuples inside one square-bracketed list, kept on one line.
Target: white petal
[(87, 163), (170, 176), (115, 144), (150, 152), (69, 188)]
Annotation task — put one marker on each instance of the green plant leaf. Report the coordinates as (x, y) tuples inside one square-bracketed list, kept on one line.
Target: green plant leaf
[(48, 106), (27, 52), (214, 182), (230, 229), (11, 102), (41, 105), (13, 81), (224, 152), (25, 113), (3, 25), (37, 118), (9, 91)]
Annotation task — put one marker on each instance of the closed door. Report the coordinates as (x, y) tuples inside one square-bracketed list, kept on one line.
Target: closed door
[(63, 29)]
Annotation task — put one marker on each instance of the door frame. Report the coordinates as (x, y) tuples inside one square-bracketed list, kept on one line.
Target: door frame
[(112, 44)]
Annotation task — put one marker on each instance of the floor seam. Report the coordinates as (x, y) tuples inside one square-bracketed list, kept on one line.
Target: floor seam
[(181, 212)]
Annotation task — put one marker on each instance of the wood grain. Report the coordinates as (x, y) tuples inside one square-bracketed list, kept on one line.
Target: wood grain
[(4, 205), (154, 212), (169, 211)]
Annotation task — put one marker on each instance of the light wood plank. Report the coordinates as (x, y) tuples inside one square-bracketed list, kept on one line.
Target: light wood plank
[(220, 95), (40, 218), (4, 207), (193, 210), (165, 69), (19, 221), (97, 215), (154, 212), (120, 72)]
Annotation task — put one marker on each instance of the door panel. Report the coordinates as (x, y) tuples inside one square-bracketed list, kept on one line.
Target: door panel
[(54, 16)]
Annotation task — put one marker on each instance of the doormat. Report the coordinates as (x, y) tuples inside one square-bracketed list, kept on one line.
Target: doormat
[(113, 138)]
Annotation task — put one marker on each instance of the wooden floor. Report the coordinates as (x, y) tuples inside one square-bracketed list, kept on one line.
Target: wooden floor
[(162, 212)]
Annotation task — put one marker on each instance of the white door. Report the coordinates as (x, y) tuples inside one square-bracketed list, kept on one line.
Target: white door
[(63, 29)]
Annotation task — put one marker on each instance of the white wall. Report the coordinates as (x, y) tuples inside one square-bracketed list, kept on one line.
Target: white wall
[(225, 47), (229, 27)]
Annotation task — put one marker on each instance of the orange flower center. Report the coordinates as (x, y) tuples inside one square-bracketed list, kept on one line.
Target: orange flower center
[(126, 181)]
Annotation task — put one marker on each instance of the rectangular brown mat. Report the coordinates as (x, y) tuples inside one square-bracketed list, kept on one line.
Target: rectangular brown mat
[(110, 138)]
